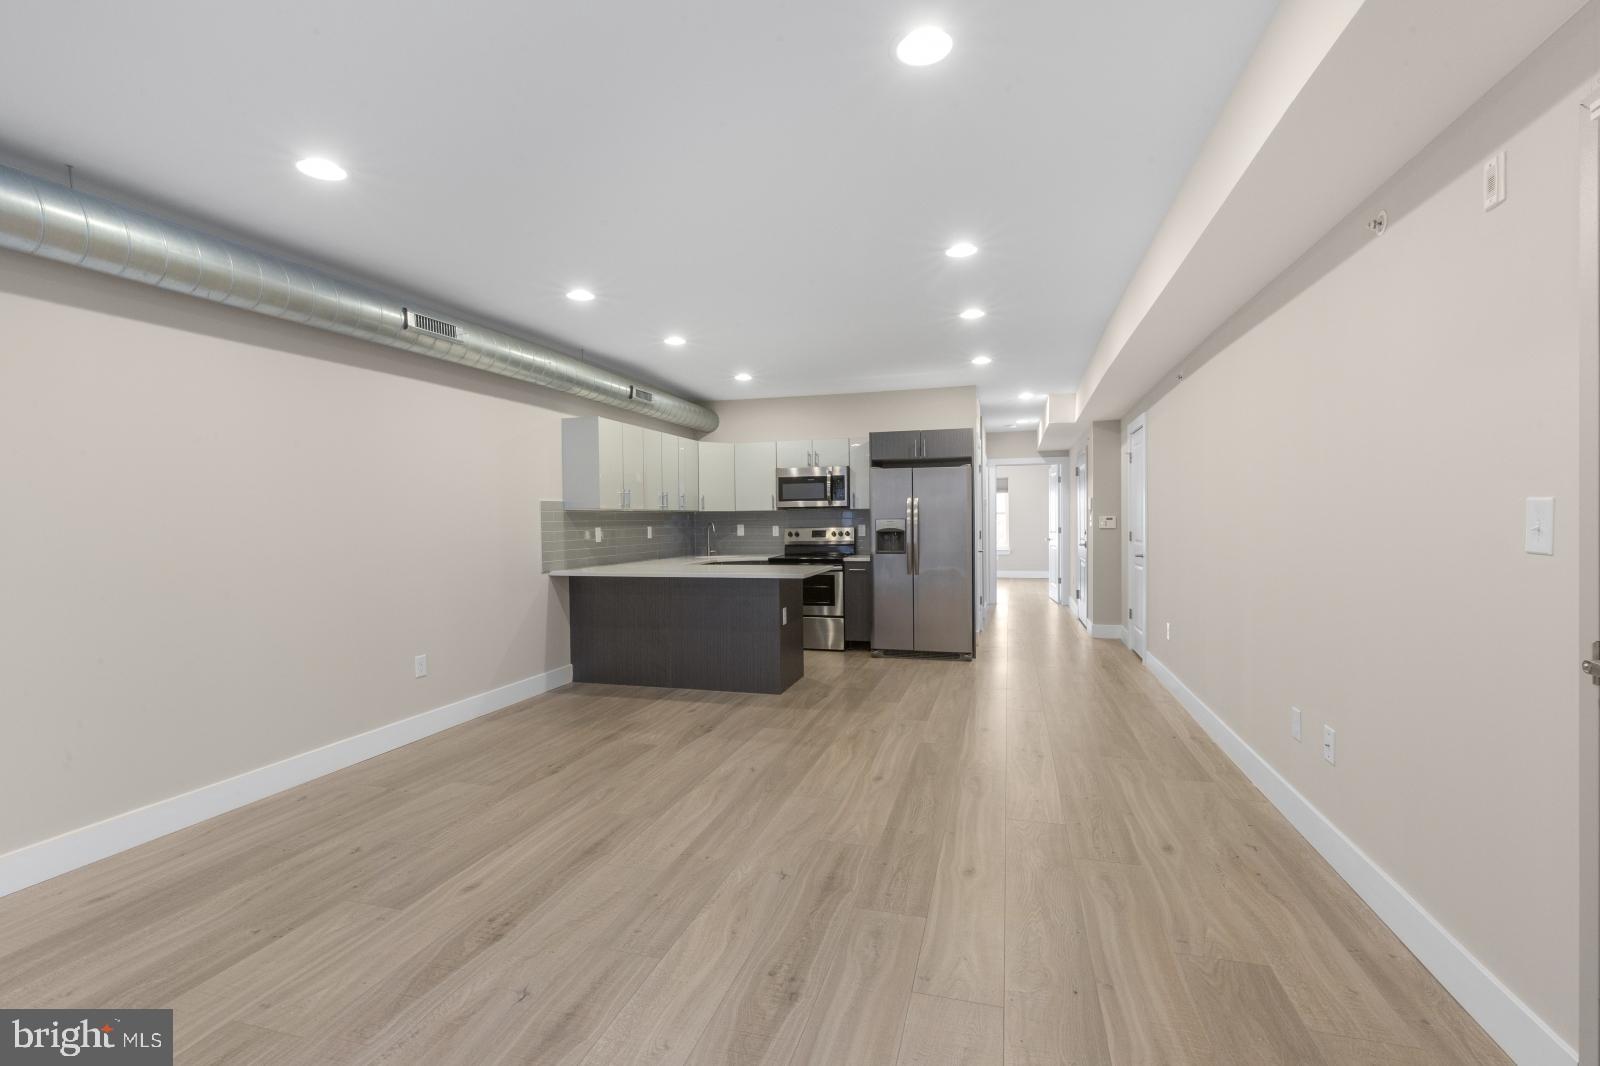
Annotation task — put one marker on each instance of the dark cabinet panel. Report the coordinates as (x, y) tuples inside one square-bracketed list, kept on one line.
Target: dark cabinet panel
[(726, 634), (858, 601), (947, 444), (894, 446), (921, 444)]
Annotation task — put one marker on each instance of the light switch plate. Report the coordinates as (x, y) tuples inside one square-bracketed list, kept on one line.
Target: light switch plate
[(649, 532), (1539, 526), (777, 532), (1294, 722), (1327, 745), (599, 534), (420, 665), (738, 530)]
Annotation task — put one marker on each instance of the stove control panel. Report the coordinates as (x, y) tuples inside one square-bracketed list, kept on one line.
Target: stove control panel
[(820, 535)]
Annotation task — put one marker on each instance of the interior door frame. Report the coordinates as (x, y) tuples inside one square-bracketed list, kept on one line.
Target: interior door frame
[(1080, 530), (1588, 709), (1137, 425), (996, 472), (1055, 529)]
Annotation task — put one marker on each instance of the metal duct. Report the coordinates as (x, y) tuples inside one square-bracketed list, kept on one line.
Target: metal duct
[(49, 220)]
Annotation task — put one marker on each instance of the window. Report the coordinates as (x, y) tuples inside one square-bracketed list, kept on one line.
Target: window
[(1002, 515)]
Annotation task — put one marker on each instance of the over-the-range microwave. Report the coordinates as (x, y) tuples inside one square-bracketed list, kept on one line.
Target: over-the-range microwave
[(813, 486)]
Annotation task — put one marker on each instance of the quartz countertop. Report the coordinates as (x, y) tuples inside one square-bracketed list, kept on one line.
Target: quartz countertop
[(700, 566)]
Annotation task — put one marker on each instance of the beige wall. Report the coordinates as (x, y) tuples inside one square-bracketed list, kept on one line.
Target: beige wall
[(852, 415), (1105, 545), (1336, 514), (225, 538), (1029, 505), (1017, 444)]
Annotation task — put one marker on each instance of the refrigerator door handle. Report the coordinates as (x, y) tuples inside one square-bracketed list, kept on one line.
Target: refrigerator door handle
[(916, 535), (911, 541)]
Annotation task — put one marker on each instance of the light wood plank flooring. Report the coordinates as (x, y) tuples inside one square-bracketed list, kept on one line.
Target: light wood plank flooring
[(1032, 858)]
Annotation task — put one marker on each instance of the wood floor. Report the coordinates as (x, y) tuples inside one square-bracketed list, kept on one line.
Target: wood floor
[(1032, 858)]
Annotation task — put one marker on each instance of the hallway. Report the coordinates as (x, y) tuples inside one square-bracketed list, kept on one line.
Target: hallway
[(1033, 858)]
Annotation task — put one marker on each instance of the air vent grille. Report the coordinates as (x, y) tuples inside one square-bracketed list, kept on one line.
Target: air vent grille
[(643, 395), (436, 326)]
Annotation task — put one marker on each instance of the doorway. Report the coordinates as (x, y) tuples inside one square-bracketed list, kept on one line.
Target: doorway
[(1135, 508), (1080, 585), (1053, 531)]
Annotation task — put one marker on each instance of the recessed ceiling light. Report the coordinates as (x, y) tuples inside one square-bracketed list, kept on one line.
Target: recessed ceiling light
[(741, 376), (581, 296), (981, 360), (961, 249), (1024, 395), (674, 341), (972, 314), (322, 169), (923, 46)]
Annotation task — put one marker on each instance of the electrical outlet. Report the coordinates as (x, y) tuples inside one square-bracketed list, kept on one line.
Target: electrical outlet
[(587, 535), (599, 534), (861, 532), (420, 665), (776, 532), (1169, 630), (738, 530), (649, 532), (1327, 745), (1294, 722)]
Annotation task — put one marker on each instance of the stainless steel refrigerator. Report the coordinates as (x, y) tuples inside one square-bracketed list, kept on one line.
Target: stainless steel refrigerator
[(922, 582)]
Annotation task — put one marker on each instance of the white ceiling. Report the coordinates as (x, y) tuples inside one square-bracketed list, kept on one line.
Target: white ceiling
[(762, 177)]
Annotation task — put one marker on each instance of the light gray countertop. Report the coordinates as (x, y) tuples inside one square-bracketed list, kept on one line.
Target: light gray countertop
[(717, 566)]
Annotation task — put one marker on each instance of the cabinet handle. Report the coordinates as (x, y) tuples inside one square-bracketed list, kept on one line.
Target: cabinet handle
[(702, 503)]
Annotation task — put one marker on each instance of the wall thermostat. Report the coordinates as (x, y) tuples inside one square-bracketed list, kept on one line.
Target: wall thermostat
[(1108, 521)]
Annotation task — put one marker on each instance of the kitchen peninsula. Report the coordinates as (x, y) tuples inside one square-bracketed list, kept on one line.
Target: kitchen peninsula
[(731, 623)]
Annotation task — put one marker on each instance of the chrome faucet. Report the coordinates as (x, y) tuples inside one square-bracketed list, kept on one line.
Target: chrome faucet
[(711, 528)]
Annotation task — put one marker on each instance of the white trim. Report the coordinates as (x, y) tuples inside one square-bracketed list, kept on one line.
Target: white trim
[(1023, 573), (1513, 1025), (33, 863), (1105, 632)]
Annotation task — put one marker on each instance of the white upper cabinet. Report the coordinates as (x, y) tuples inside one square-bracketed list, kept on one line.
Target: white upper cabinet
[(608, 465), (860, 473), (834, 451), (716, 477), (668, 466), (755, 476), (591, 464), (688, 474), (650, 496), (632, 467), (793, 453)]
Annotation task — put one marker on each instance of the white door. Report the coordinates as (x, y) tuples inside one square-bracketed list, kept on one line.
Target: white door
[(650, 498), (1052, 520), (688, 474), (669, 472), (1080, 592), (793, 453), (831, 451), (860, 473), (716, 476), (1136, 538), (632, 466), (755, 476)]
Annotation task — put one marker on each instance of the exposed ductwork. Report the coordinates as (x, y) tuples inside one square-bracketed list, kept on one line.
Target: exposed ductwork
[(49, 220)]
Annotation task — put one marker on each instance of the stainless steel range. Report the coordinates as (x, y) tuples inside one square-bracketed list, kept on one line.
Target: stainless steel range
[(822, 595)]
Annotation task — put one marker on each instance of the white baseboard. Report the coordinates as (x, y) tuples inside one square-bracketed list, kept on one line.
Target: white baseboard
[(1105, 632), (1022, 573), (1512, 1023), (79, 847)]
